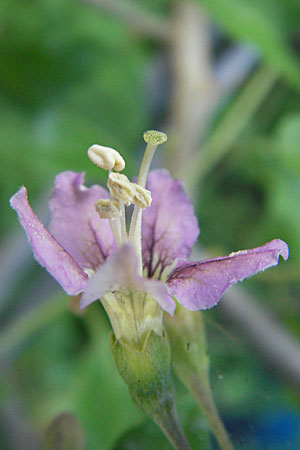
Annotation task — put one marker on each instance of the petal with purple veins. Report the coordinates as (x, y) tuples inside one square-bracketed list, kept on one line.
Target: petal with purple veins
[(199, 285), (120, 271), (170, 227), (75, 223), (47, 251)]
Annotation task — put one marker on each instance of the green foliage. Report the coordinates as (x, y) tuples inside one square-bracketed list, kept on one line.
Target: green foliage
[(63, 90), (265, 24), (70, 76)]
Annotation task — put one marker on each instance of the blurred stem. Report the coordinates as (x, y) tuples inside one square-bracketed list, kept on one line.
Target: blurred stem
[(231, 126), (200, 388), (191, 364), (24, 327), (142, 22)]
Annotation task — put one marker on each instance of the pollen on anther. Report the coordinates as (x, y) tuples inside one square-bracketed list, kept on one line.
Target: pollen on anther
[(105, 157)]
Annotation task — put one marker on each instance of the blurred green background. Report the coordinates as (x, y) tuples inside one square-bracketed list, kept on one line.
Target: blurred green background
[(223, 79)]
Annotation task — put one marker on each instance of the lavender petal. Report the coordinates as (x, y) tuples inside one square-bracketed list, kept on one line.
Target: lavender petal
[(199, 285), (170, 227), (120, 272), (47, 251), (75, 223)]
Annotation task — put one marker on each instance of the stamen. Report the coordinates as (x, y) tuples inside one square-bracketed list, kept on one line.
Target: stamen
[(124, 235), (105, 157), (121, 188), (116, 230), (107, 209), (111, 210), (142, 197)]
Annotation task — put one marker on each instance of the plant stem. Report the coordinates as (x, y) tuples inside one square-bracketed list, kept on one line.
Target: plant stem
[(168, 423), (191, 364), (203, 396)]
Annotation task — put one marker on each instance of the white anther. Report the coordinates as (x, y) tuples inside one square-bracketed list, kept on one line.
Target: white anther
[(121, 188), (107, 209), (105, 157), (142, 197)]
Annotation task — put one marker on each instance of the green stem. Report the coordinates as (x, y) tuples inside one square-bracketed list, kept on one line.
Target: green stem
[(168, 423), (203, 396), (191, 364)]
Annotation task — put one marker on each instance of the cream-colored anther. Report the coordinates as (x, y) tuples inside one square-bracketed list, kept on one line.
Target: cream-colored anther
[(142, 197), (121, 188), (105, 157), (107, 209), (154, 137)]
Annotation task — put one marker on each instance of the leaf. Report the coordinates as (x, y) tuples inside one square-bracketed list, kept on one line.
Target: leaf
[(253, 23)]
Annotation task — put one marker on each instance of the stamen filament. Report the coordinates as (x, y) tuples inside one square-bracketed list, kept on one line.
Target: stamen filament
[(116, 230), (124, 236)]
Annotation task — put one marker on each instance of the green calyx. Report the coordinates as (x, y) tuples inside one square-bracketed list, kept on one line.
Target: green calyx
[(146, 371)]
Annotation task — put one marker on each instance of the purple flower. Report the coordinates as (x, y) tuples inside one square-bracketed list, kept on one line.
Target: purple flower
[(89, 250)]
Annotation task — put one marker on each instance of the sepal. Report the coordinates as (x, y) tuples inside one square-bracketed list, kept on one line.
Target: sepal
[(146, 371)]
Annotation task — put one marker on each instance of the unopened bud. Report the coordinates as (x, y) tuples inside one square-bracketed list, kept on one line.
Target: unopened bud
[(154, 137), (105, 157), (64, 433), (142, 197)]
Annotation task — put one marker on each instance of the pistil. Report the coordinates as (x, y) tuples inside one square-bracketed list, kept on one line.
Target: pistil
[(153, 139)]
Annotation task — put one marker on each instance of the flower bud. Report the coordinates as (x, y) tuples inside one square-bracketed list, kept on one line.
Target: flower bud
[(64, 433), (105, 157)]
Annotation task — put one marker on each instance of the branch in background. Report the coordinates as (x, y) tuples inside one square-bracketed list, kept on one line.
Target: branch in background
[(264, 334), (199, 86), (193, 91), (269, 339), (141, 22), (231, 126), (233, 66)]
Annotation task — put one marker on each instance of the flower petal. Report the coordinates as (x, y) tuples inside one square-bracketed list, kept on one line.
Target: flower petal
[(120, 271), (170, 227), (47, 251), (75, 223), (199, 285)]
